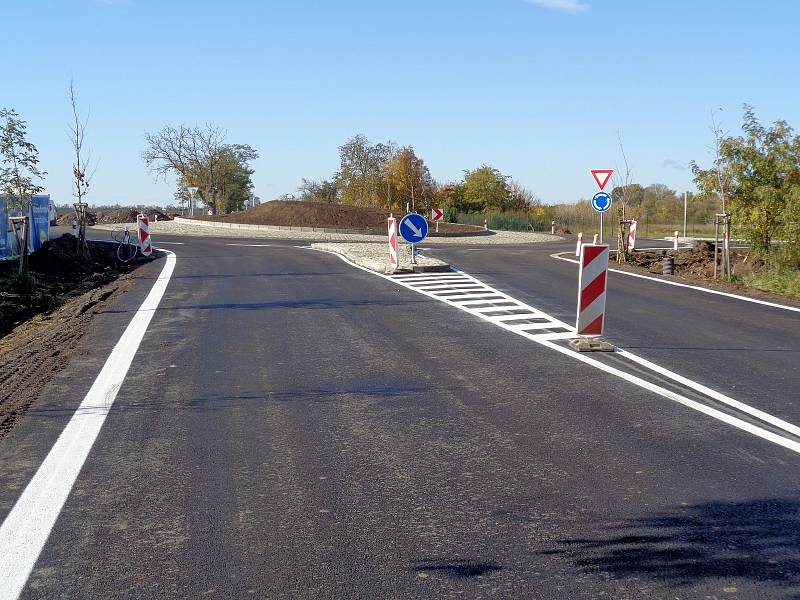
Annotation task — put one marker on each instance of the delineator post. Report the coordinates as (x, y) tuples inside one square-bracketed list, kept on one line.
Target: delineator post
[(392, 224), (592, 290), (143, 226)]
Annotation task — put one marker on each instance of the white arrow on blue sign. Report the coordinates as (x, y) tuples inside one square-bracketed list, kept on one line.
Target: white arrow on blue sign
[(601, 202), (413, 228)]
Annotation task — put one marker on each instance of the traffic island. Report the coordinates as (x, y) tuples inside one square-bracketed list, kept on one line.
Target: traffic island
[(375, 257)]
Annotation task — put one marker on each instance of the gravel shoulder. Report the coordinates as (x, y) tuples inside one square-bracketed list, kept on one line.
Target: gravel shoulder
[(183, 229), (374, 256)]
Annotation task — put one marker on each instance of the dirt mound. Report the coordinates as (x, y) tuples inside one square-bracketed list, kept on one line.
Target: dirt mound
[(59, 257), (696, 262), (114, 215), (320, 214), (56, 274)]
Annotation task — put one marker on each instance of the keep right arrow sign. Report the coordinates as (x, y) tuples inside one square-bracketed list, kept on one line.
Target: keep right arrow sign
[(602, 176), (437, 214)]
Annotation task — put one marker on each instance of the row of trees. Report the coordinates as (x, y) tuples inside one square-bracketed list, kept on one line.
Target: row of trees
[(756, 177), (200, 158), (384, 175)]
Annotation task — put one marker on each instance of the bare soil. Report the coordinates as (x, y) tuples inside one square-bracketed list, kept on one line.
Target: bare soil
[(330, 216), (56, 275), (42, 320), (117, 215), (696, 265)]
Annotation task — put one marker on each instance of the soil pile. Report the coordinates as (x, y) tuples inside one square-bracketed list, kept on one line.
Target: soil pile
[(696, 262), (57, 273), (320, 214), (115, 215)]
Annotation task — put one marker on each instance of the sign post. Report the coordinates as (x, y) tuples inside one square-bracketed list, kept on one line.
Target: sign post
[(143, 225), (392, 222), (436, 216), (413, 229), (601, 201), (592, 279)]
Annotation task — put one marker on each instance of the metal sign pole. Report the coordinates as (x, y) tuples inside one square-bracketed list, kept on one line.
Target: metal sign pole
[(601, 228)]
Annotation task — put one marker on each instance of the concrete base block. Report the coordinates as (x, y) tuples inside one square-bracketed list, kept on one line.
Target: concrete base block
[(585, 344)]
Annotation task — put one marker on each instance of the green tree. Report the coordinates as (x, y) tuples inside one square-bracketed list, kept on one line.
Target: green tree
[(20, 160), (362, 174), (200, 158), (409, 179), (759, 174), (485, 188)]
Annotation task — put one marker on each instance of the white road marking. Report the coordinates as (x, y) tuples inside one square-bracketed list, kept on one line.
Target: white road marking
[(252, 245), (529, 331), (694, 287), (168, 244), (26, 528)]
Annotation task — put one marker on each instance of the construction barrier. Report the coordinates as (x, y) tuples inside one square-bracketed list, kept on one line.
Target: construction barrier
[(392, 222), (592, 290), (632, 237), (143, 225), (580, 242)]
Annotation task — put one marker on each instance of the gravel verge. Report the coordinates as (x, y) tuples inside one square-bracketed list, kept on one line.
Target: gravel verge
[(175, 228), (375, 256)]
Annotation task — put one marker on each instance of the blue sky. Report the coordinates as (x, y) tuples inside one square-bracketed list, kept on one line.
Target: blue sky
[(537, 88)]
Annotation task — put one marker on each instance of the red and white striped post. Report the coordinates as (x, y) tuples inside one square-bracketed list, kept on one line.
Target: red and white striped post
[(580, 243), (632, 237), (143, 225), (592, 290), (392, 223)]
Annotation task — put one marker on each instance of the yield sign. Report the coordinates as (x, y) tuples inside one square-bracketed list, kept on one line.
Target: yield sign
[(601, 176), (436, 214)]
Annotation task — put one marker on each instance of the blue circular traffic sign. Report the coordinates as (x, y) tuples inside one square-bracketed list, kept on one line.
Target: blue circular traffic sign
[(601, 202), (413, 228)]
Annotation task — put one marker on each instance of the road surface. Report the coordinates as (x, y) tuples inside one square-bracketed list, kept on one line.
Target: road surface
[(294, 427)]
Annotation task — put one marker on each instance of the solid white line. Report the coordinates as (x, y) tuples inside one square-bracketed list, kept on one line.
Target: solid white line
[(759, 414), (26, 528), (694, 287), (252, 245), (168, 244), (711, 412), (547, 341)]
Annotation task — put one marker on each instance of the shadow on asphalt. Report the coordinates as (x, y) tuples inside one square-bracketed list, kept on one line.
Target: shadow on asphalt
[(459, 569), (758, 540)]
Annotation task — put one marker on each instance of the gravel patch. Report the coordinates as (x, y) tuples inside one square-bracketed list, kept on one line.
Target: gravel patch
[(173, 228), (375, 256)]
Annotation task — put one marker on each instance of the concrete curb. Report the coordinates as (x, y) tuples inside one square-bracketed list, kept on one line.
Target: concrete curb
[(249, 227), (368, 260)]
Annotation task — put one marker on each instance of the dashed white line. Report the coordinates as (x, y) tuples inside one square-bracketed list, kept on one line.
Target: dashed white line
[(28, 525)]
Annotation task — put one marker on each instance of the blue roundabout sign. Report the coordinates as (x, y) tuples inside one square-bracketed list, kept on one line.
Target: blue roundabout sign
[(601, 202)]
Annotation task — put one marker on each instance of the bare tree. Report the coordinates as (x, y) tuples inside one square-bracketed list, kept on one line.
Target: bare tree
[(80, 184)]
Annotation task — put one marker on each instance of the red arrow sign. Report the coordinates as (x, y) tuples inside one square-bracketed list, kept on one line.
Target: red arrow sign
[(602, 176), (436, 214)]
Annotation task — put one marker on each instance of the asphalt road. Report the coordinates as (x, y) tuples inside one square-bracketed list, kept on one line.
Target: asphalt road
[(293, 427)]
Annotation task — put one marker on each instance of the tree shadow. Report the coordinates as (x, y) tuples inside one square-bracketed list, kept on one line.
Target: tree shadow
[(756, 540), (458, 569)]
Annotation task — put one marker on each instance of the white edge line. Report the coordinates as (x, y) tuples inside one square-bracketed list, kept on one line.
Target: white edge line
[(25, 530), (759, 414), (686, 285), (707, 410)]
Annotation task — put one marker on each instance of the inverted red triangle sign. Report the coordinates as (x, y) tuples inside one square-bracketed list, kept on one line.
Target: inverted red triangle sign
[(601, 176)]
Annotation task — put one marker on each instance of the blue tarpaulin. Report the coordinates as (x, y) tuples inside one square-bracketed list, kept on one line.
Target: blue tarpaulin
[(39, 232)]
